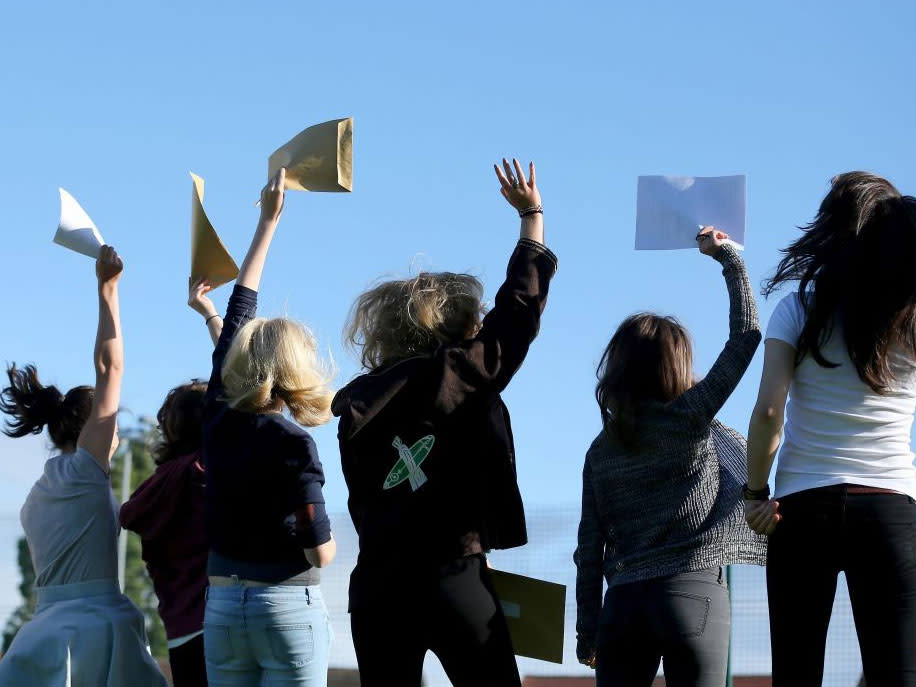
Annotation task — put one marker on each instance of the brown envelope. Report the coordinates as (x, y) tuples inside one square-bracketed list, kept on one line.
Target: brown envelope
[(209, 257), (317, 159), (535, 611)]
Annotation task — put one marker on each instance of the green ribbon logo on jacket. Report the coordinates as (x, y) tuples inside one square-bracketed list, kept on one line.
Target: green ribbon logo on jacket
[(408, 466)]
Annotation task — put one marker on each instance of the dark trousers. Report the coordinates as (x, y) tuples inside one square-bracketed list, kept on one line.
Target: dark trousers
[(187, 664), (872, 538), (683, 620), (456, 615)]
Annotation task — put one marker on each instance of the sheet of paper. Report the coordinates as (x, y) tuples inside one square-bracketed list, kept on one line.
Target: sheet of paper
[(209, 257), (76, 229), (670, 209), (535, 613), (317, 159)]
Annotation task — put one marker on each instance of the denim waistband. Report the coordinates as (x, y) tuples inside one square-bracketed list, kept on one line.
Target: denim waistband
[(287, 592), (77, 590)]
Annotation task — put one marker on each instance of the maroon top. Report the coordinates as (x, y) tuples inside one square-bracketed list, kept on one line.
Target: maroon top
[(167, 511)]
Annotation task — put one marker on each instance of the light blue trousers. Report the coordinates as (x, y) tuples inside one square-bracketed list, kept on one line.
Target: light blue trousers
[(260, 637)]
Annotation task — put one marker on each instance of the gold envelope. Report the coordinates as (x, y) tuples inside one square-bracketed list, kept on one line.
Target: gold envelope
[(209, 257), (317, 159), (535, 611)]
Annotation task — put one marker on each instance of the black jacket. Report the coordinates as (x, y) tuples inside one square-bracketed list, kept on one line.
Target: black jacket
[(426, 443)]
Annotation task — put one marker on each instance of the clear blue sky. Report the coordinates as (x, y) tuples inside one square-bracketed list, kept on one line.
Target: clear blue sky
[(118, 101)]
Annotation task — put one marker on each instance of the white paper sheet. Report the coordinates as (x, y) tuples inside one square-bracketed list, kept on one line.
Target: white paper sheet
[(671, 209), (76, 230)]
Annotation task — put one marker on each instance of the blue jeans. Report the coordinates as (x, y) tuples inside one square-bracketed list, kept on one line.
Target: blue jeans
[(260, 636)]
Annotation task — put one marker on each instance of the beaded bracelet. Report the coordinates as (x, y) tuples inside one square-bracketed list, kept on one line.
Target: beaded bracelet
[(533, 210), (755, 494)]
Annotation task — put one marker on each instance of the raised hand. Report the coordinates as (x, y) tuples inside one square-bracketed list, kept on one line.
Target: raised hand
[(521, 193), (197, 298), (272, 196), (109, 266), (710, 240)]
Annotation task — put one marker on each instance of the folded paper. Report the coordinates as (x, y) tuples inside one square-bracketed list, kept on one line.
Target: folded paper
[(670, 209), (535, 611), (76, 229), (209, 257), (317, 159)]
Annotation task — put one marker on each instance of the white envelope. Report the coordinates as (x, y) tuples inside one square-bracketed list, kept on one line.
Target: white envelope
[(671, 209), (76, 230)]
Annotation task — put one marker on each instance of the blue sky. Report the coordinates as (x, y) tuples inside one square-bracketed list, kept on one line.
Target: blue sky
[(118, 101)]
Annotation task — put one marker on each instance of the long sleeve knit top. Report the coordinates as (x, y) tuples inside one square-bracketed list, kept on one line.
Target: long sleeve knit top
[(674, 504)]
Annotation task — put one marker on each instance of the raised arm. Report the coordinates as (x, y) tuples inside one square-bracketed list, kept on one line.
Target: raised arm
[(99, 434), (589, 560), (710, 394), (243, 302), (200, 303)]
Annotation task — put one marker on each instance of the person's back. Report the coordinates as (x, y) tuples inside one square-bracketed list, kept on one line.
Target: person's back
[(840, 359)]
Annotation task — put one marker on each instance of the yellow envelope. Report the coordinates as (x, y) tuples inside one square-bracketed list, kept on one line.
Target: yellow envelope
[(209, 257), (535, 611), (317, 159)]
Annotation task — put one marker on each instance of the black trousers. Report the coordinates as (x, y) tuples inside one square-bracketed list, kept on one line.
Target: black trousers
[(870, 537), (456, 615), (683, 620), (187, 664)]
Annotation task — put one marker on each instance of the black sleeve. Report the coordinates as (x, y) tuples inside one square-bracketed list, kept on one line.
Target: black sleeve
[(489, 360), (242, 307), (313, 527)]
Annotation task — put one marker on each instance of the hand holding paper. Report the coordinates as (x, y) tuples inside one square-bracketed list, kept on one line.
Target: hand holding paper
[(209, 257), (320, 158), (670, 210), (710, 240), (76, 230)]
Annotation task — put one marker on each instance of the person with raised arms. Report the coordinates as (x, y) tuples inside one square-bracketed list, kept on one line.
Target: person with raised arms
[(265, 620), (84, 631), (429, 460), (662, 513)]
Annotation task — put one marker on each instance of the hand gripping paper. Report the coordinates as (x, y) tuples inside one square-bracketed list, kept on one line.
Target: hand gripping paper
[(76, 230), (317, 159), (670, 210), (209, 257)]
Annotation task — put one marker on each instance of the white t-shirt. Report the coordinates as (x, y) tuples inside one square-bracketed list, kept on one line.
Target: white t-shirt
[(839, 431)]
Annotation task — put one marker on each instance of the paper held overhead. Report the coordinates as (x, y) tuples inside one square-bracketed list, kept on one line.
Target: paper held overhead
[(209, 257), (535, 613), (76, 230), (671, 209), (317, 159)]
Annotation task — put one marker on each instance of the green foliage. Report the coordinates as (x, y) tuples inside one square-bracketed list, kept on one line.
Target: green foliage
[(137, 584)]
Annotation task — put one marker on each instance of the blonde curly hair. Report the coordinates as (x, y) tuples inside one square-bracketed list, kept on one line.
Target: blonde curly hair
[(402, 318), (274, 363)]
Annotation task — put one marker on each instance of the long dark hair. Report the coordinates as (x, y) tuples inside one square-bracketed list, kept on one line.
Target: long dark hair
[(31, 406), (649, 358), (180, 419), (857, 258)]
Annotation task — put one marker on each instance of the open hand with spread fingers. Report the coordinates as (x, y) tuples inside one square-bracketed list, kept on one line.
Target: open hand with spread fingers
[(710, 240), (521, 193)]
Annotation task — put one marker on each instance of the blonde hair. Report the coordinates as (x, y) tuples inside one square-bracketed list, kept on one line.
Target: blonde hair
[(406, 317), (274, 362)]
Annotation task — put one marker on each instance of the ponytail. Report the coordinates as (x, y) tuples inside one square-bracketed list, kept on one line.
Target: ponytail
[(32, 406)]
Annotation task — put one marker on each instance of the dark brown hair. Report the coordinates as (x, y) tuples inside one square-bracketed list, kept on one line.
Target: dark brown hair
[(649, 358), (854, 267), (180, 421), (31, 405)]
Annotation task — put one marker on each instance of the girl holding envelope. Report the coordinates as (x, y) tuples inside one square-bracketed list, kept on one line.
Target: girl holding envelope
[(428, 457), (84, 631), (265, 620), (840, 361), (661, 499)]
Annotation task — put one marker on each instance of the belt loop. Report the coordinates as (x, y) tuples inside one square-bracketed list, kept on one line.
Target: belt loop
[(308, 596), (720, 574)]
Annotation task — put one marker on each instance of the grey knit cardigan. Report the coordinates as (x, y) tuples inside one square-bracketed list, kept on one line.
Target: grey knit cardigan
[(674, 505)]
